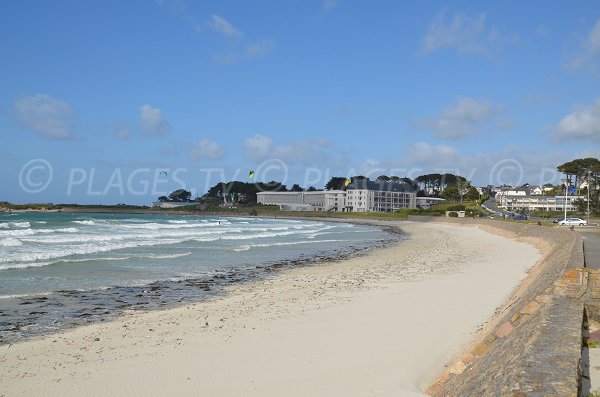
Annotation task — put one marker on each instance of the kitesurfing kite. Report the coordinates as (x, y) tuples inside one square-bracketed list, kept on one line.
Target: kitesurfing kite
[(251, 174), (164, 172), (347, 182)]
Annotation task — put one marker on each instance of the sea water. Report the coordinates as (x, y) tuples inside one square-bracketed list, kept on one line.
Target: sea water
[(54, 267)]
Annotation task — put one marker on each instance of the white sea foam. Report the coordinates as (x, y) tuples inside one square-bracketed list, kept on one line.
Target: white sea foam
[(89, 248), (67, 260), (24, 265), (10, 242), (24, 247), (171, 256), (158, 226), (32, 232), (24, 295), (88, 222), (8, 225), (246, 247)]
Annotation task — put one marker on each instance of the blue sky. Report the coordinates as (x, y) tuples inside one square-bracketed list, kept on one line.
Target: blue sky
[(97, 98)]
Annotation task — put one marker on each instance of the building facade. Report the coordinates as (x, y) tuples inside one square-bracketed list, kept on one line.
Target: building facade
[(370, 196), (360, 196), (327, 200), (537, 203)]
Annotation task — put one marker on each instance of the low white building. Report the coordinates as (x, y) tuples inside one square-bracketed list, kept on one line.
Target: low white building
[(170, 204), (325, 200), (538, 203), (278, 198), (428, 202)]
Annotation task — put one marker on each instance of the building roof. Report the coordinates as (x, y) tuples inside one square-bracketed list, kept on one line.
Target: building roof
[(365, 184)]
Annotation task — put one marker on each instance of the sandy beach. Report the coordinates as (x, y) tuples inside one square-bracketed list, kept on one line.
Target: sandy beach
[(384, 324)]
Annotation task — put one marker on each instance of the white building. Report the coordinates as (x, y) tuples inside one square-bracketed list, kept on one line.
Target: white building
[(360, 196), (327, 200), (170, 204), (428, 202), (537, 190), (539, 203), (369, 196)]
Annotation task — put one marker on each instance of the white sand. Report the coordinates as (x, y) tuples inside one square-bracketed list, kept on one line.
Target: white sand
[(383, 324)]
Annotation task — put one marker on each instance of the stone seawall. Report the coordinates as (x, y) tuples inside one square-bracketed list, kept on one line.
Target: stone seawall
[(532, 347)]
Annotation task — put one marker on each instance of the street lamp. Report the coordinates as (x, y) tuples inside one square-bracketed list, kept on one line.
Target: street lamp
[(566, 181), (589, 185)]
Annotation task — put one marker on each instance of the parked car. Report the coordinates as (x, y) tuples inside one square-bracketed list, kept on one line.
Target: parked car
[(520, 217), (572, 222)]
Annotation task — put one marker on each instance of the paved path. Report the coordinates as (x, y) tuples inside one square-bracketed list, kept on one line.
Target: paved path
[(591, 239)]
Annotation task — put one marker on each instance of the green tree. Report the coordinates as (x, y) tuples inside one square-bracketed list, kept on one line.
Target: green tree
[(577, 171), (450, 193), (296, 188), (180, 195), (472, 194), (336, 183)]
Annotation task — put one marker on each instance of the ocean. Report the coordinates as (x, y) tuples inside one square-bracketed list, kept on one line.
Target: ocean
[(63, 269)]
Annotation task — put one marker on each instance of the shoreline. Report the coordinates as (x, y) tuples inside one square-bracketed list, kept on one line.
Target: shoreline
[(349, 297), (62, 310)]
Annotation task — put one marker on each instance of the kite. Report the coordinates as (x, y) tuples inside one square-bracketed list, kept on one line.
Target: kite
[(251, 174), (163, 172), (347, 182)]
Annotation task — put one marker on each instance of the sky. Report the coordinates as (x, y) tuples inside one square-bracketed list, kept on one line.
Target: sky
[(122, 101)]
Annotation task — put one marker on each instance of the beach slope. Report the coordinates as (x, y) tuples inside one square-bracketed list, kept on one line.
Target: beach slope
[(385, 323)]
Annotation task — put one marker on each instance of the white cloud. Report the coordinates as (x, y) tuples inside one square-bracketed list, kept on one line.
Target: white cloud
[(465, 34), (48, 116), (259, 49), (510, 165), (580, 124), (240, 47), (588, 55), (224, 27), (465, 117), (330, 4), (178, 8), (205, 149), (259, 148), (152, 121)]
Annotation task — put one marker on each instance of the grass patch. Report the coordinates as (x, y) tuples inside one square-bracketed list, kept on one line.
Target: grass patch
[(592, 344)]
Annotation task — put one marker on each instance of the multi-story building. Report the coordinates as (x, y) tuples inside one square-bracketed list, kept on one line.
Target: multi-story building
[(369, 196)]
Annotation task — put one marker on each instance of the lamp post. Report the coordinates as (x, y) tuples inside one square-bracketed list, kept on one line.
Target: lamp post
[(589, 185), (566, 180)]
